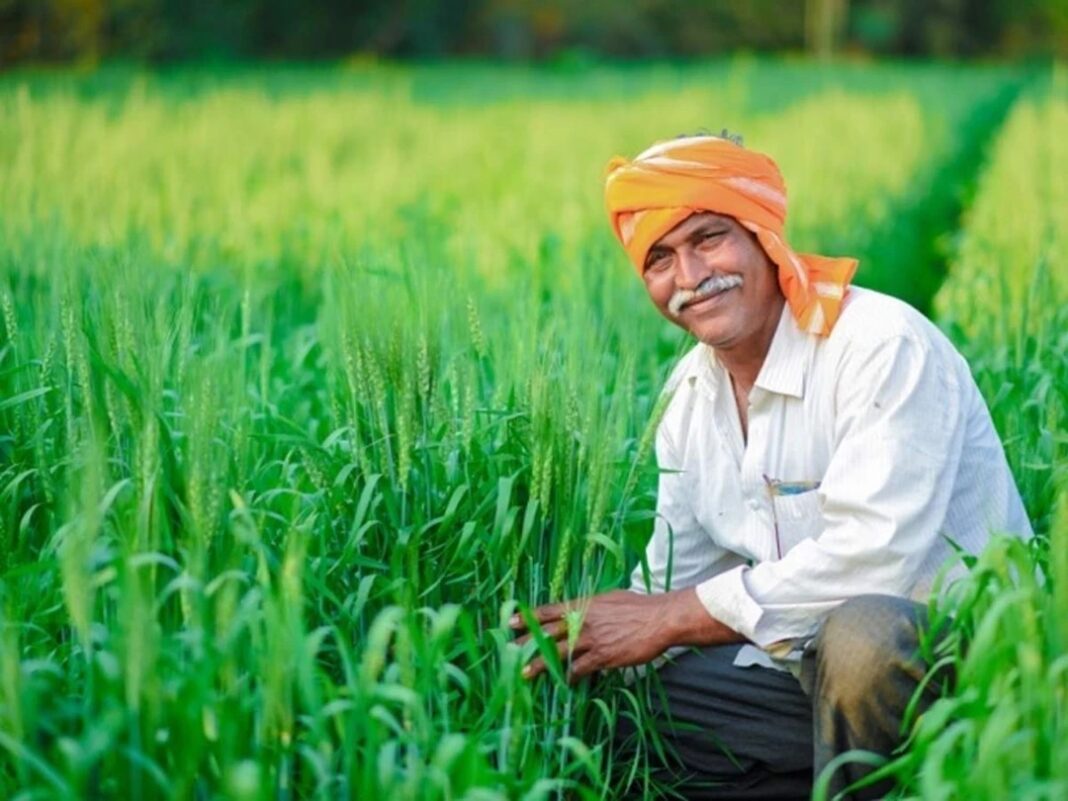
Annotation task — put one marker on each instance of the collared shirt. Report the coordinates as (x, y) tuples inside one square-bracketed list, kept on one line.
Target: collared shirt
[(869, 452)]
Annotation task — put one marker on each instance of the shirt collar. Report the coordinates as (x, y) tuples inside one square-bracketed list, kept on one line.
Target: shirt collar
[(784, 368), (788, 358)]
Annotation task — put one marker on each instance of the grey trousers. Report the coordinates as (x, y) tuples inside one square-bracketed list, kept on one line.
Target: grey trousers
[(756, 733)]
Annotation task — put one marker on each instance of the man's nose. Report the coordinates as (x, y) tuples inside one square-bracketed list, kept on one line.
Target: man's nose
[(692, 269)]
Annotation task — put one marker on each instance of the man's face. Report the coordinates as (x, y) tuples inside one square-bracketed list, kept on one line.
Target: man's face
[(710, 276)]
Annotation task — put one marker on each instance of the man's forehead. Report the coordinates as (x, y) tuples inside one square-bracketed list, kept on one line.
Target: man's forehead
[(690, 224)]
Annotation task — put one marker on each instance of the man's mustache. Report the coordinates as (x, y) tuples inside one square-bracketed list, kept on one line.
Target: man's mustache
[(712, 285)]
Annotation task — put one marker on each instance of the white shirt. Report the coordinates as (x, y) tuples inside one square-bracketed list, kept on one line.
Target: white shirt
[(884, 415)]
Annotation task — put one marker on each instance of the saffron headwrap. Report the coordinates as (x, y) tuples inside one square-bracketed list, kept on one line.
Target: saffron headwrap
[(650, 195)]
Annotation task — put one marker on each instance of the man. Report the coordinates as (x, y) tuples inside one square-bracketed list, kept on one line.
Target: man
[(822, 447)]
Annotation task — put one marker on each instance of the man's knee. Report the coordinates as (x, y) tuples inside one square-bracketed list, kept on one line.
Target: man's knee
[(867, 643)]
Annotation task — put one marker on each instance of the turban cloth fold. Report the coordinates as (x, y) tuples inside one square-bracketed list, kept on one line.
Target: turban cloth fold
[(664, 185)]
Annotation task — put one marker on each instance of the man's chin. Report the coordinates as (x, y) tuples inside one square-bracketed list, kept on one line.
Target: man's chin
[(713, 333), (715, 336)]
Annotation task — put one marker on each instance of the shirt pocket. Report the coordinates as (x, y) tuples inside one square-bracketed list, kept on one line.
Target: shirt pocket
[(797, 517)]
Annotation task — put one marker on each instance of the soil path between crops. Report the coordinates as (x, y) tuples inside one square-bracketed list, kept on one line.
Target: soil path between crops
[(951, 184)]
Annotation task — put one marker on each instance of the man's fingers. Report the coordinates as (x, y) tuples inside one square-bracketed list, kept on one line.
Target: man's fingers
[(534, 668), (580, 667), (542, 614), (565, 654), (554, 631)]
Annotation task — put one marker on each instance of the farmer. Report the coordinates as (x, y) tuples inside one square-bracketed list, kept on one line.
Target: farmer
[(822, 447)]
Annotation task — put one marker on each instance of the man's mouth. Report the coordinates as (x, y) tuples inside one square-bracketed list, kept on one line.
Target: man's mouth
[(710, 287)]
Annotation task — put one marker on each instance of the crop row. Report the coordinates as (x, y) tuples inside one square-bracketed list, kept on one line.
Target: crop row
[(1001, 733)]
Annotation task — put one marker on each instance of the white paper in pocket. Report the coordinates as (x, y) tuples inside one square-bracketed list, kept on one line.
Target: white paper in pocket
[(797, 517)]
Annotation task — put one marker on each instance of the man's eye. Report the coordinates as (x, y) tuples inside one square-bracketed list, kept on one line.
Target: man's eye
[(710, 235), (658, 261)]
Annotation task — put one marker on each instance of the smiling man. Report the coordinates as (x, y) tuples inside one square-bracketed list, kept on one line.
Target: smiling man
[(822, 448)]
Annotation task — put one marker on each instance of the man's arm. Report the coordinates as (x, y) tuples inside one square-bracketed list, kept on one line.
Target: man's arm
[(899, 435), (620, 629)]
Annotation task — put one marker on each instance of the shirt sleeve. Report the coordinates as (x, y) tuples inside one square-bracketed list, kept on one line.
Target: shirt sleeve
[(898, 438), (680, 552)]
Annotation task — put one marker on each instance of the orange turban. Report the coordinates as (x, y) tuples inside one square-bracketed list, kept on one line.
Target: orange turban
[(650, 195)]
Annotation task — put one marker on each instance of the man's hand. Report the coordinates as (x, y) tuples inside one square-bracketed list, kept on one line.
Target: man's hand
[(619, 629)]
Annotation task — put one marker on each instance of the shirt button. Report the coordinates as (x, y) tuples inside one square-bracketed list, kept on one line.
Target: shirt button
[(754, 504)]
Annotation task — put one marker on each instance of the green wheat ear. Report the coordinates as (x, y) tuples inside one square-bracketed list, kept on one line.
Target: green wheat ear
[(574, 619)]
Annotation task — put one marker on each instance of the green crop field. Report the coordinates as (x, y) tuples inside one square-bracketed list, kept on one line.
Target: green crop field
[(310, 376)]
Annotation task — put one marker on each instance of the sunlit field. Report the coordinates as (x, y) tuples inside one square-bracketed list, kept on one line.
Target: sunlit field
[(310, 376), (1004, 732)]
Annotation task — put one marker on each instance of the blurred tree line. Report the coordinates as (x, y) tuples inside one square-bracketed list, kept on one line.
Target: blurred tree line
[(86, 31)]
